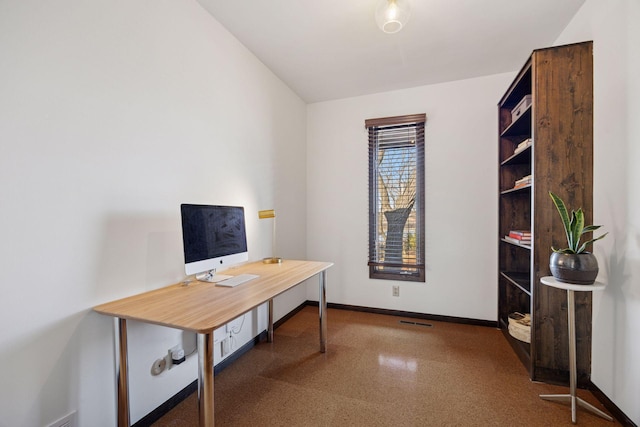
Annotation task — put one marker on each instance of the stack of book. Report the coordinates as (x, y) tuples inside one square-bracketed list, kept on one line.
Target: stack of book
[(519, 237), (522, 146), (523, 182)]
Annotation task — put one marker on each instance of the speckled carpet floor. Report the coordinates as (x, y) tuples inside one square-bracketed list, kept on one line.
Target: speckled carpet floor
[(380, 372)]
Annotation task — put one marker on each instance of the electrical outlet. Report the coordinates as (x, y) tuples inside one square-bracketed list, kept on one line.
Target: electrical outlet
[(226, 346), (396, 290), (68, 421)]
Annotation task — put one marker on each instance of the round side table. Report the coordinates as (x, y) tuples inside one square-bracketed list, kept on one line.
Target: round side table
[(571, 310)]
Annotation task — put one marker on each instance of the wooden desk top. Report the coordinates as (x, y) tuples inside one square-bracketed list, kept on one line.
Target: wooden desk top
[(202, 307)]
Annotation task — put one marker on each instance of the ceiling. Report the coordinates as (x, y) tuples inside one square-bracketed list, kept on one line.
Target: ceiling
[(331, 49)]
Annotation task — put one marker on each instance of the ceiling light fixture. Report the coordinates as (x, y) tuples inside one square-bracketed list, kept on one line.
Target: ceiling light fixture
[(392, 15)]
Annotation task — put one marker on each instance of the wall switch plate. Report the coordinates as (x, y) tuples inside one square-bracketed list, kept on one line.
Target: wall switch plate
[(396, 290)]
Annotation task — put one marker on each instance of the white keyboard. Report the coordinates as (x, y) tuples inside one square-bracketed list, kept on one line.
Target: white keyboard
[(237, 280)]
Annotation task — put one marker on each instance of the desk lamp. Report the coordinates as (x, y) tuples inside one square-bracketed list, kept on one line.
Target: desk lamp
[(270, 213)]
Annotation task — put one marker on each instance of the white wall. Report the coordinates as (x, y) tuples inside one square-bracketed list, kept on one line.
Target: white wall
[(613, 27), (461, 197), (112, 113)]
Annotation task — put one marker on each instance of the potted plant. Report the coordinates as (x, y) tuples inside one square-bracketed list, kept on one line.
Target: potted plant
[(574, 264)]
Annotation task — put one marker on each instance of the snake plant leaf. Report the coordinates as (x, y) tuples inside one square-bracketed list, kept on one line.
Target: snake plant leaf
[(577, 224), (564, 215), (590, 228), (584, 245), (562, 251), (574, 227)]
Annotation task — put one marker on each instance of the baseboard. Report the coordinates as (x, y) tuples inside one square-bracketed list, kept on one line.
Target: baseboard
[(171, 403), (616, 412), (410, 314), (191, 388), (174, 400), (613, 409), (289, 315)]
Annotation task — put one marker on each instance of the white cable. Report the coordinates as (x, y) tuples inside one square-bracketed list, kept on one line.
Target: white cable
[(191, 352), (238, 330)]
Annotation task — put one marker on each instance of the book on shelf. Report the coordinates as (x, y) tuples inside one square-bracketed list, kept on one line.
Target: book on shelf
[(526, 178), (517, 241), (522, 146), (522, 237), (519, 233), (522, 182)]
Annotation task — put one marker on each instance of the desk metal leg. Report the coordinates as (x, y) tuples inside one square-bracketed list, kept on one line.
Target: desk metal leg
[(573, 371), (205, 379), (322, 303), (122, 372), (270, 325)]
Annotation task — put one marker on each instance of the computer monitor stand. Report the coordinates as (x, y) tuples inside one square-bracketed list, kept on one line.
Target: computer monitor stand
[(211, 276)]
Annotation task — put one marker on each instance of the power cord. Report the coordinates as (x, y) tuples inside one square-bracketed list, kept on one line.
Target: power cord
[(236, 331)]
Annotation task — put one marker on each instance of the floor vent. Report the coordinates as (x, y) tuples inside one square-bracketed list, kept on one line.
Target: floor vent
[(409, 322), (67, 421)]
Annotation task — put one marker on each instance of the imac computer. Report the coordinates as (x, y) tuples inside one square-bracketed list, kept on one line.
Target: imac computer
[(214, 238)]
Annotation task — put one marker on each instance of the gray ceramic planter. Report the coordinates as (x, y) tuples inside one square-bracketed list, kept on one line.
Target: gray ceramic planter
[(581, 269)]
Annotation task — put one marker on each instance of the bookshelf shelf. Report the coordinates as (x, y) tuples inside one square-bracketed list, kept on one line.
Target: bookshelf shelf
[(517, 190), (558, 120), (519, 279), (522, 349), (522, 126), (521, 158), (519, 245)]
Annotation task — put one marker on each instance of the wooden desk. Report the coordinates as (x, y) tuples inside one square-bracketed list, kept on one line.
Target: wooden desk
[(203, 307)]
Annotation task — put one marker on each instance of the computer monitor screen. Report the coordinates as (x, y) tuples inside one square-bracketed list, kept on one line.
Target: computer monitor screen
[(214, 238)]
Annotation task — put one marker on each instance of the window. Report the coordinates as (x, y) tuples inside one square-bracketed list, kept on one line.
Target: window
[(396, 198)]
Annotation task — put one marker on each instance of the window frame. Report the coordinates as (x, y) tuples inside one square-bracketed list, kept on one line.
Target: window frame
[(376, 267)]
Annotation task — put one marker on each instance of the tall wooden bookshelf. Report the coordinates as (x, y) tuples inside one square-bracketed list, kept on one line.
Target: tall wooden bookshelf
[(559, 122)]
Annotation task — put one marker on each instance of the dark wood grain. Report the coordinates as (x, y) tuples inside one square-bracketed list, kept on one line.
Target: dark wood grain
[(560, 80)]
